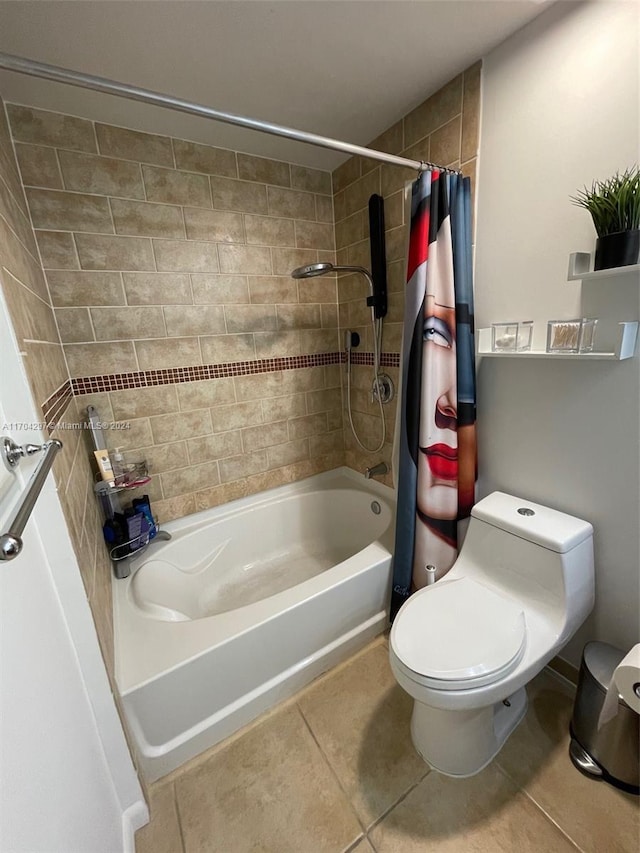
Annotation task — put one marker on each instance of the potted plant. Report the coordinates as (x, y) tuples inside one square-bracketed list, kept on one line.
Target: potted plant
[(614, 205)]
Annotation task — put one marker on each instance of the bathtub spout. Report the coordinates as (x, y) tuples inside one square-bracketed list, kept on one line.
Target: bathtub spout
[(376, 470)]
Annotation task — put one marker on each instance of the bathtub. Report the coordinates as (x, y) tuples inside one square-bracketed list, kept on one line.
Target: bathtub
[(244, 606)]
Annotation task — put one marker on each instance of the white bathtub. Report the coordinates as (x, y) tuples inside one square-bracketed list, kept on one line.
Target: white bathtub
[(244, 606)]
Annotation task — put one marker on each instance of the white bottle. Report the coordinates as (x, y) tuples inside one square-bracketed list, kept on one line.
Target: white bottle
[(117, 461)]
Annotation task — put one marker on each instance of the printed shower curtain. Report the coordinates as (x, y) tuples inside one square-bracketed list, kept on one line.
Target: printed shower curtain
[(437, 463)]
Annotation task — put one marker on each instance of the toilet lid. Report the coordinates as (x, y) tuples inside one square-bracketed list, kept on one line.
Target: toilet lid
[(458, 634)]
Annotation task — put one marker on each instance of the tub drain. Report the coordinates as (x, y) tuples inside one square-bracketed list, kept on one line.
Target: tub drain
[(376, 508)]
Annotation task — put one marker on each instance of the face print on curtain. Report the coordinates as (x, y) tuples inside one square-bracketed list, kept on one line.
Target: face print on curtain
[(437, 464)]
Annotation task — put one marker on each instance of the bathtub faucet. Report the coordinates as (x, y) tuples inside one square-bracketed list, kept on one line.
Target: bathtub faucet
[(375, 470)]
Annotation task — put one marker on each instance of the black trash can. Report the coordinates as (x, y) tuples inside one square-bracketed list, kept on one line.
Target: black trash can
[(610, 751)]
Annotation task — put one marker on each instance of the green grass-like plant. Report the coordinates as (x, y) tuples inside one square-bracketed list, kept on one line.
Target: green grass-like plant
[(614, 204)]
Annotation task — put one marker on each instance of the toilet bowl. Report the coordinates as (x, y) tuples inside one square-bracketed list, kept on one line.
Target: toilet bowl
[(465, 647)]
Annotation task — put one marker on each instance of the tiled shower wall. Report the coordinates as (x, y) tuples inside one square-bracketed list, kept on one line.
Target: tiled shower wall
[(443, 130), (27, 296), (162, 254)]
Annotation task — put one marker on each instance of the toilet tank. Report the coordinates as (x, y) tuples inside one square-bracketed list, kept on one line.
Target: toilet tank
[(532, 552)]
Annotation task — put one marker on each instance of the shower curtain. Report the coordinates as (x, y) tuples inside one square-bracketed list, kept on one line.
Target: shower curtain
[(437, 454)]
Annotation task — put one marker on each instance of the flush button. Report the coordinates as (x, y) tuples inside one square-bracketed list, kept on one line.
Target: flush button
[(524, 510)]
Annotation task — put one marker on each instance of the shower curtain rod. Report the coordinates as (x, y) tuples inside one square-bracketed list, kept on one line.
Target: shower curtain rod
[(22, 65)]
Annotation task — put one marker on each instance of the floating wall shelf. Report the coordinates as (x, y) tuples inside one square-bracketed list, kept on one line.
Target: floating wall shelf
[(581, 269), (624, 349), (621, 338)]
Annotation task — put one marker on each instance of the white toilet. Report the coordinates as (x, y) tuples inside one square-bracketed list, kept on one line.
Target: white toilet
[(465, 647)]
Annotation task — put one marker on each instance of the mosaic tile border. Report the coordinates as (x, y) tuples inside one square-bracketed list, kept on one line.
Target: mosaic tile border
[(55, 406)]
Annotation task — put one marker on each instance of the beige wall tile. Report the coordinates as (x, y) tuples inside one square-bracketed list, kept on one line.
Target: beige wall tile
[(74, 325), (237, 467), (216, 225), (263, 171), (265, 435), (97, 252), (352, 229), (324, 399), (180, 425), (136, 435), (31, 317), (471, 112), (38, 166), (100, 358), (391, 141), (286, 260), (189, 320), (208, 392), (313, 180), (146, 220), (167, 352), (236, 415), (320, 289), (319, 445), (134, 145), (287, 454), (157, 288), (219, 289), (278, 344), (204, 158), (173, 187), (434, 112), (315, 235), (8, 165), (324, 208), (255, 260), (359, 192), (329, 316), (167, 510), (269, 289), (259, 386), (269, 231), (46, 128), (70, 288), (292, 204), (244, 196), (161, 457), (346, 174), (308, 425), (50, 368), (321, 340), (11, 211), (181, 256), (185, 480), (69, 211), (20, 263), (445, 143), (250, 318), (287, 406), (219, 349), (218, 446), (298, 316), (143, 402), (103, 175)]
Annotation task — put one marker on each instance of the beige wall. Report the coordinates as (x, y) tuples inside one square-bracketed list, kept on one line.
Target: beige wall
[(160, 253), (442, 130)]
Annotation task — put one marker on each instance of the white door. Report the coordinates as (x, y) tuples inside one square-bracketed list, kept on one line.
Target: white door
[(67, 783)]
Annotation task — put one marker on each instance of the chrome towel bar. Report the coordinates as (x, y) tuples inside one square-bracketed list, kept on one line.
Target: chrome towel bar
[(11, 541)]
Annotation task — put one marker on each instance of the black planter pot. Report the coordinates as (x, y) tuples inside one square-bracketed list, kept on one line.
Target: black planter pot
[(617, 250)]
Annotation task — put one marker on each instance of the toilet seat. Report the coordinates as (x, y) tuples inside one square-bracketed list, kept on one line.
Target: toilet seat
[(457, 635)]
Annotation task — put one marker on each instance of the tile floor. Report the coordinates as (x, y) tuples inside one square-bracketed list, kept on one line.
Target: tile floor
[(333, 770)]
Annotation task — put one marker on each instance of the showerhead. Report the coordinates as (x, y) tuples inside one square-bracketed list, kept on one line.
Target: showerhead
[(312, 270)]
